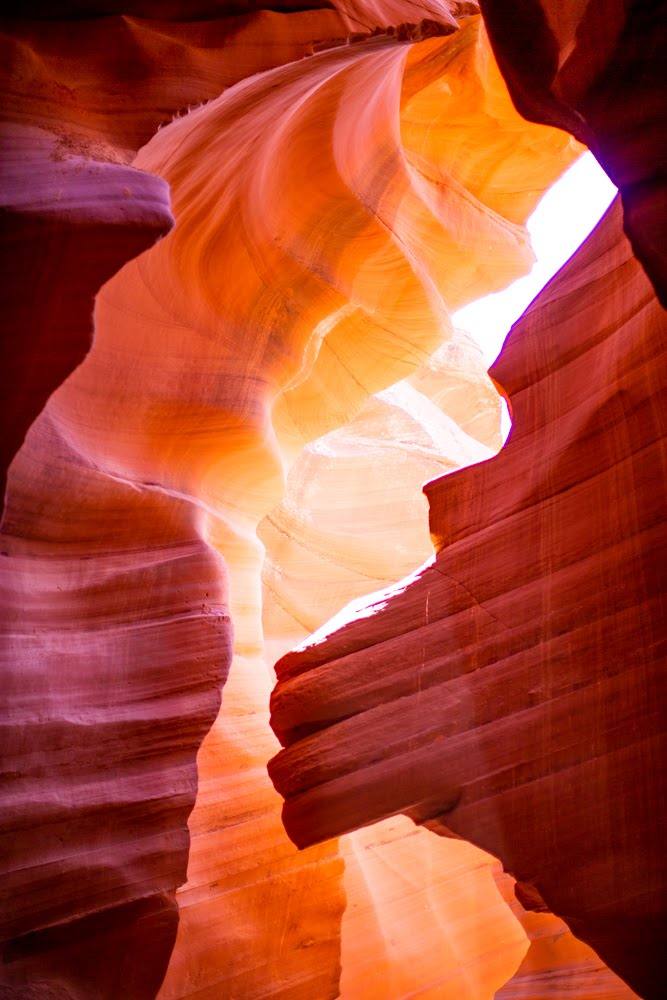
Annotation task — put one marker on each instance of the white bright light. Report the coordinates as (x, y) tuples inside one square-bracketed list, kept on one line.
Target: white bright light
[(560, 223)]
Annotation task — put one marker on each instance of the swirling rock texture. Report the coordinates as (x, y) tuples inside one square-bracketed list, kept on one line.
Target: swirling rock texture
[(420, 912), (72, 226), (79, 99), (423, 914), (353, 517), (434, 778), (329, 212), (227, 956)]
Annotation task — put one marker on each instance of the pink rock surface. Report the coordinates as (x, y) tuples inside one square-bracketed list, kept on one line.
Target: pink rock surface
[(114, 647)]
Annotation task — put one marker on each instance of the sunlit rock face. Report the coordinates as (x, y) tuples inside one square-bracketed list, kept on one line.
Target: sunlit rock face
[(80, 96), (502, 700), (317, 398), (423, 915), (269, 374), (353, 517)]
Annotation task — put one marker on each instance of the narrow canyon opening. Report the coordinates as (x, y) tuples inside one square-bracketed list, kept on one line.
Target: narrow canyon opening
[(418, 914)]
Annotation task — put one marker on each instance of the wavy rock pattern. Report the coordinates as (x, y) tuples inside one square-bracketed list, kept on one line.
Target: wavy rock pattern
[(488, 682), (339, 331), (99, 752), (423, 917), (330, 213), (74, 211), (420, 911), (354, 516), (72, 226)]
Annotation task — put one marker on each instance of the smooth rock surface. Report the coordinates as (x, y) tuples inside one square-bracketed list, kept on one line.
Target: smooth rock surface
[(69, 222)]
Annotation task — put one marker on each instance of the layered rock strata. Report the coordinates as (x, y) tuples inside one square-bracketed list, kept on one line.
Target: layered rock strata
[(71, 226), (329, 215), (422, 915), (353, 516), (556, 964)]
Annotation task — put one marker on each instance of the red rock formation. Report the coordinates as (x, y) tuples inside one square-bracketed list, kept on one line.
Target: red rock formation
[(114, 647), (157, 452), (82, 96), (352, 313), (378, 186), (115, 638), (508, 691), (422, 914)]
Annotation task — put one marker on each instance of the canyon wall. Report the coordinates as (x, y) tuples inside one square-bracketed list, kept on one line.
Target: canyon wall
[(508, 691), (272, 275)]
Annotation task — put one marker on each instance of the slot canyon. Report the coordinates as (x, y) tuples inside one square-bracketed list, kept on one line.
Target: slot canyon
[(317, 682)]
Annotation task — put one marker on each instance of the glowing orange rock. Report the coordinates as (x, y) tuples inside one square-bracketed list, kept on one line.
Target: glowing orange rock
[(330, 213), (420, 911), (318, 395), (423, 916), (79, 98)]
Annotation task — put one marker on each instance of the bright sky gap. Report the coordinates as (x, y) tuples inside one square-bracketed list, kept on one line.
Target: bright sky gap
[(561, 222)]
